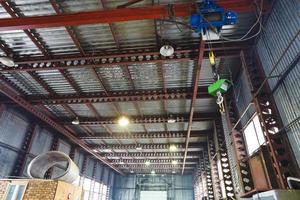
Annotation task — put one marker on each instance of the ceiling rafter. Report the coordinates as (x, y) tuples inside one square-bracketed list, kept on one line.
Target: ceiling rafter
[(154, 135), (163, 147), (120, 96), (11, 93), (34, 38), (111, 27), (70, 30), (180, 118), (89, 62)]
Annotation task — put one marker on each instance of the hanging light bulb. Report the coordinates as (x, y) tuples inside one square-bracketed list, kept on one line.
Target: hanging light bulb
[(7, 61), (75, 121), (166, 50), (174, 162), (147, 163), (172, 148), (123, 121), (121, 162)]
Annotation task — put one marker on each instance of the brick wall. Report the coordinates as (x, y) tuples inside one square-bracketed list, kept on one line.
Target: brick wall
[(3, 186), (40, 189), (44, 189)]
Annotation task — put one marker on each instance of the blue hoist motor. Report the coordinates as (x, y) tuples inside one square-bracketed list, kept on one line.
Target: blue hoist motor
[(211, 15)]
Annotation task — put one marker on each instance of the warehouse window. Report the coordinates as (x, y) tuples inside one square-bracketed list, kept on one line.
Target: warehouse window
[(254, 135), (15, 192)]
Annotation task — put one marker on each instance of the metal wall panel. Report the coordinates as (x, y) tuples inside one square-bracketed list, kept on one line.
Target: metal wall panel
[(180, 187), (13, 128), (78, 159), (90, 167), (279, 47), (64, 147), (105, 175), (7, 161), (243, 97), (42, 142), (98, 172)]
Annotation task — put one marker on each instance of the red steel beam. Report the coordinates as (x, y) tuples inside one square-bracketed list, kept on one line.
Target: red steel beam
[(112, 16), (12, 94), (94, 17), (195, 85)]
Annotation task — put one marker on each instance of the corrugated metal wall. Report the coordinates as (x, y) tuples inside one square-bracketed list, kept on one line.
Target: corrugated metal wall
[(243, 97), (13, 128), (180, 187), (279, 46)]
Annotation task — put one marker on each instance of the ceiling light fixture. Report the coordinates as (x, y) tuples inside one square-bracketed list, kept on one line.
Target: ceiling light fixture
[(147, 163), (173, 148), (173, 172), (75, 121), (123, 121), (174, 162), (152, 172), (121, 162), (171, 120), (139, 148), (166, 50), (107, 150), (131, 171), (7, 61)]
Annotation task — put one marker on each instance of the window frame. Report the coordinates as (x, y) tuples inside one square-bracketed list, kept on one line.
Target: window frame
[(17, 185), (251, 122)]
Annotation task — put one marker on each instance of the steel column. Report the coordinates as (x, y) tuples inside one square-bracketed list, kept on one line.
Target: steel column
[(277, 142), (239, 148), (193, 101), (23, 154), (214, 167), (227, 186)]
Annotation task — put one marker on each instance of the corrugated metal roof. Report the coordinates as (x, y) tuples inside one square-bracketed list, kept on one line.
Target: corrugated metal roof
[(121, 37)]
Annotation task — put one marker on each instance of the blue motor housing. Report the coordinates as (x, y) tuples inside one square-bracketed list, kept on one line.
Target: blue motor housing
[(210, 15)]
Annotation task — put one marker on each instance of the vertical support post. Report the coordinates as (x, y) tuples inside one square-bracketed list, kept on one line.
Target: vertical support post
[(54, 147), (214, 168), (283, 160), (23, 154), (242, 169), (227, 186), (72, 152)]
